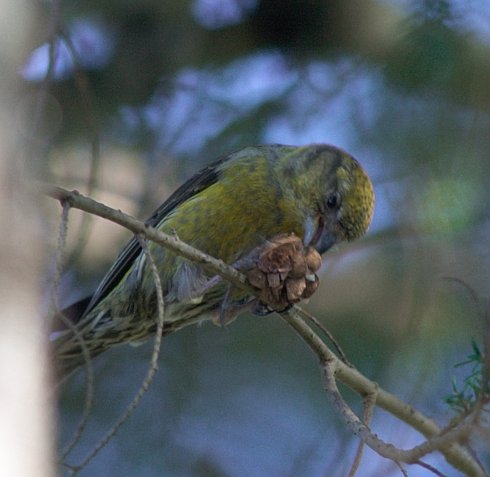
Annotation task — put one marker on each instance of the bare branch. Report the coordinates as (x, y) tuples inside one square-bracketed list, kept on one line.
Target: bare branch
[(430, 468), (149, 375), (369, 403), (333, 368), (171, 242), (55, 311), (312, 319)]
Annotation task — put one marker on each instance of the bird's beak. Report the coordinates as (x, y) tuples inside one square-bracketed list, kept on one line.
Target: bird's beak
[(319, 236), (325, 241)]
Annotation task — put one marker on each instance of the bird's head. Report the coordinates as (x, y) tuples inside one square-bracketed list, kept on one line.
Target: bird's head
[(336, 194)]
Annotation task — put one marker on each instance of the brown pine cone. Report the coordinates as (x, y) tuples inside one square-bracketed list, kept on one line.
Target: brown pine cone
[(285, 272)]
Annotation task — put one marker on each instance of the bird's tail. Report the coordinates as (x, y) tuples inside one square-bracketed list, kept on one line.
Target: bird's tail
[(69, 353), (83, 332)]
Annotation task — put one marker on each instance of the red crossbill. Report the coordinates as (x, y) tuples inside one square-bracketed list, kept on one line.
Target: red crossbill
[(318, 192)]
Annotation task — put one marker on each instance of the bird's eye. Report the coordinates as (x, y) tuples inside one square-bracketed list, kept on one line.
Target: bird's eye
[(333, 201)]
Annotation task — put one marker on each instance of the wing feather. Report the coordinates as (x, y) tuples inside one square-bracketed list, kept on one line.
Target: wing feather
[(197, 183)]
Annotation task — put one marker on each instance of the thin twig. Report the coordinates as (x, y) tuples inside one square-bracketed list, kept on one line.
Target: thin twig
[(369, 403), (149, 375), (402, 469), (90, 384), (54, 311), (59, 262), (308, 316), (430, 468)]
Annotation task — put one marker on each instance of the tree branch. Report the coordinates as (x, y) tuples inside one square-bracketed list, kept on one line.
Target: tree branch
[(171, 242), (333, 368)]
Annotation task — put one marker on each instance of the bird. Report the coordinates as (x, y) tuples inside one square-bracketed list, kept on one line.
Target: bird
[(318, 193)]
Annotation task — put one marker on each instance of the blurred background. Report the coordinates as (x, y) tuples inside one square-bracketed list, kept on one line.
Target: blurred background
[(124, 100)]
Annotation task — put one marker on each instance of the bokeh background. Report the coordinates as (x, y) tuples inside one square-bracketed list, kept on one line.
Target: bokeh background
[(124, 100)]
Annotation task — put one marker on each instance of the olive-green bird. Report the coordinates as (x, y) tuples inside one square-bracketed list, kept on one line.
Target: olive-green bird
[(318, 192)]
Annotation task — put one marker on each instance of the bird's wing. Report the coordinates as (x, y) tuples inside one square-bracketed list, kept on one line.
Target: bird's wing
[(197, 183)]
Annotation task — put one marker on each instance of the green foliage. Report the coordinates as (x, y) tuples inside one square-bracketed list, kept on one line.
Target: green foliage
[(464, 396), (449, 205)]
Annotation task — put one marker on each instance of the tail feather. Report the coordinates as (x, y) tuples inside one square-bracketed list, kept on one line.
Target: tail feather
[(102, 328), (72, 313), (65, 364)]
